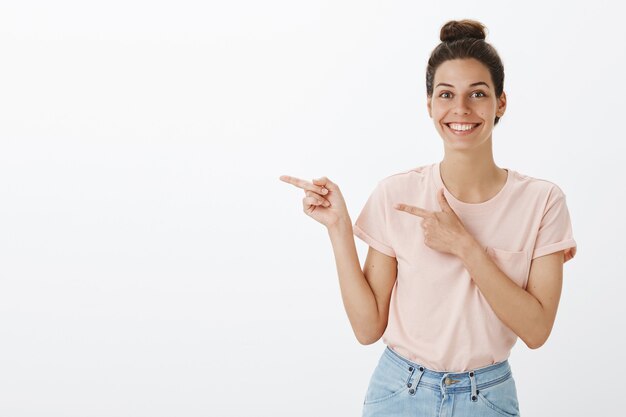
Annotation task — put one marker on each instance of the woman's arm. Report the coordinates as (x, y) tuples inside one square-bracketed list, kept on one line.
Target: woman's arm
[(528, 313), (366, 293)]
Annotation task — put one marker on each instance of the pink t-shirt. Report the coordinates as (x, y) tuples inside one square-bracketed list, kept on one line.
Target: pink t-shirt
[(438, 317)]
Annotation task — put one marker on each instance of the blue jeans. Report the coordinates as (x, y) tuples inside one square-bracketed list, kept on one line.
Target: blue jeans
[(399, 387)]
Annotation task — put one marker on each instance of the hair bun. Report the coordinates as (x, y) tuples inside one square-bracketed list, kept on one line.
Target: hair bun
[(459, 29)]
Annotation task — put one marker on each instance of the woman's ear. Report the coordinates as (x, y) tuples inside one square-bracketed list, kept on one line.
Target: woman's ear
[(501, 105), (428, 101)]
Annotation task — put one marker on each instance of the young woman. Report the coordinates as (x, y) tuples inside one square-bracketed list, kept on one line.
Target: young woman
[(464, 256)]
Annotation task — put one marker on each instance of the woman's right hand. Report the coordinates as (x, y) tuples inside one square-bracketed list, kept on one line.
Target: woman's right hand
[(323, 200)]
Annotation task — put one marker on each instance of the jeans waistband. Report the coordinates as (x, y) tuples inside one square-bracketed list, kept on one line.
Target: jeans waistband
[(453, 381)]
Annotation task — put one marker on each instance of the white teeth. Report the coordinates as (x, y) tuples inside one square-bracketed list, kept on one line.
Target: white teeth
[(461, 127)]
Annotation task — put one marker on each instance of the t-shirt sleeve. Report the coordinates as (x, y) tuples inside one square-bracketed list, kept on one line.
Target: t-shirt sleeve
[(555, 230), (371, 226)]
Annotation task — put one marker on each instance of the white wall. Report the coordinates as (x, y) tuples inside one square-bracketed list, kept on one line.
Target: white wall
[(151, 262)]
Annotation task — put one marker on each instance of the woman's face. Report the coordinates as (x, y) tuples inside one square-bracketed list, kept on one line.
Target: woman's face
[(463, 92)]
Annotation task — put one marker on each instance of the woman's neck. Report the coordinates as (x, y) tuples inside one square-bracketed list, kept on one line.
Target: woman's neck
[(472, 180)]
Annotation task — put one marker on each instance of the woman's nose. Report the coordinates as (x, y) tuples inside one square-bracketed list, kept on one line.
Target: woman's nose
[(461, 107)]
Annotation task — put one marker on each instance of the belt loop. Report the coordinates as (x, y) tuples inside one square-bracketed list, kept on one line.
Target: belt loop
[(474, 393), (418, 375)]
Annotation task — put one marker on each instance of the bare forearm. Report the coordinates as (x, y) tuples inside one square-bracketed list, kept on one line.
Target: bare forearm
[(358, 298), (516, 307)]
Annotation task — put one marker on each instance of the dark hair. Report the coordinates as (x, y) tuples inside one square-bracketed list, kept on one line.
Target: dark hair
[(465, 39)]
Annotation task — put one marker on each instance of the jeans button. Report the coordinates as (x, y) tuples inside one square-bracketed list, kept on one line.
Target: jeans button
[(450, 381)]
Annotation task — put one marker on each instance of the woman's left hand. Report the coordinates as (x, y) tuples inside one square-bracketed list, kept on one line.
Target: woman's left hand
[(443, 230)]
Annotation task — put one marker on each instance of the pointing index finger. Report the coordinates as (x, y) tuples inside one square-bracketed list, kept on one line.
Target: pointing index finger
[(417, 211), (305, 185)]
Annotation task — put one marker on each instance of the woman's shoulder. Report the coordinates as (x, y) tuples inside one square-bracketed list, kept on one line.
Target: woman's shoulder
[(412, 174), (535, 184)]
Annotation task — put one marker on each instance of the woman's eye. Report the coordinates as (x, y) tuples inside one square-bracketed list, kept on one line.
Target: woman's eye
[(443, 95)]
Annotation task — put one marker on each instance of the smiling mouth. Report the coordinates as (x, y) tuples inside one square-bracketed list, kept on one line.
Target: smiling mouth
[(462, 127)]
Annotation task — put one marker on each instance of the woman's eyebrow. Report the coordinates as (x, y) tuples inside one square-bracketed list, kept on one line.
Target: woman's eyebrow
[(471, 85)]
